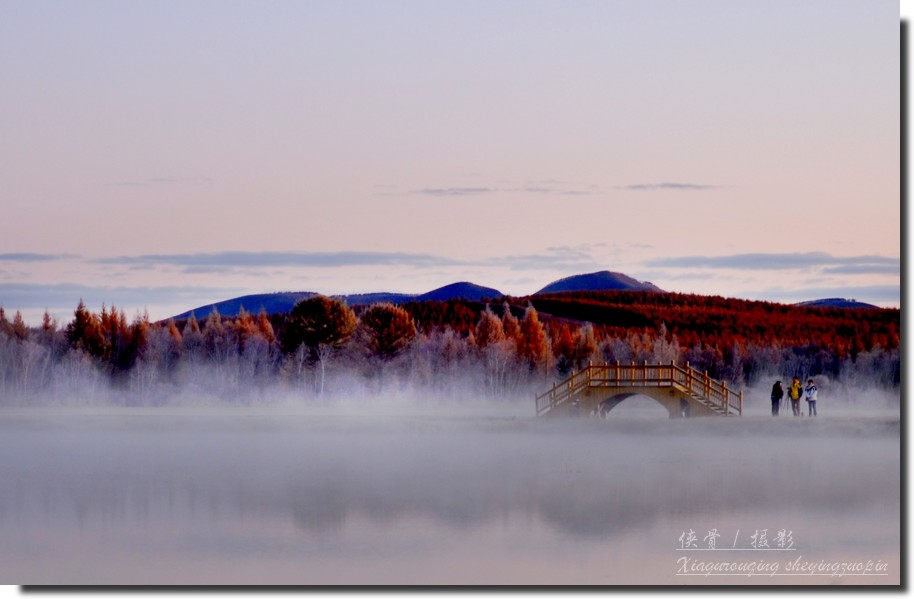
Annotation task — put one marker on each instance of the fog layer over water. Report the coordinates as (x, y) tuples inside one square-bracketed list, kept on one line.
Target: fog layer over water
[(382, 494)]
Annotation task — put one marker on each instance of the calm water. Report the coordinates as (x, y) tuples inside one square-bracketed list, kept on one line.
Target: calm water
[(377, 496)]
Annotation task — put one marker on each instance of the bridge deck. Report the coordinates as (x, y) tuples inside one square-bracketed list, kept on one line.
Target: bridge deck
[(685, 382)]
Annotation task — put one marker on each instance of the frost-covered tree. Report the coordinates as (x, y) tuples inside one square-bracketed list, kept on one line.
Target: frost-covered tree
[(193, 347), (585, 346), (665, 347), (216, 340)]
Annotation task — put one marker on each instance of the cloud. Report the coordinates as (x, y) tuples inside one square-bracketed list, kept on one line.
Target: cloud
[(668, 186), (539, 188), (67, 295), (864, 269), (787, 261), (876, 294), (553, 191), (555, 258), (220, 260), (454, 191), (30, 257)]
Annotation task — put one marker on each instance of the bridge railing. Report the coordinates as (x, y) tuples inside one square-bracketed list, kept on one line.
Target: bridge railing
[(686, 379)]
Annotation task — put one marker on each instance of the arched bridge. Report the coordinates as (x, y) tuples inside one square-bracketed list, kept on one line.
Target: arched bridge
[(683, 391)]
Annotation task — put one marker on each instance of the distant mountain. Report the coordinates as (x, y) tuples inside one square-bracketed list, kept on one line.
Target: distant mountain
[(271, 302), (598, 281), (275, 303), (462, 290), (359, 299), (836, 302)]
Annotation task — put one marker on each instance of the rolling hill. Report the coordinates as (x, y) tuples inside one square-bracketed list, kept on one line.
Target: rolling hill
[(274, 303), (603, 280), (462, 290), (836, 302)]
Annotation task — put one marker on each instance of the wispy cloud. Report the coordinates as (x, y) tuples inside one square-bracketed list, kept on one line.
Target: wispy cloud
[(30, 257), (667, 186), (454, 191), (557, 258), (220, 260), (550, 188), (786, 261)]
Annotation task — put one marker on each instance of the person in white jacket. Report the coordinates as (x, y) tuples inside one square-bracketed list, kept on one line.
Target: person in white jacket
[(811, 394)]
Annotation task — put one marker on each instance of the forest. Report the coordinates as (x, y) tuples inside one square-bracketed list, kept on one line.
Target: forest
[(453, 349)]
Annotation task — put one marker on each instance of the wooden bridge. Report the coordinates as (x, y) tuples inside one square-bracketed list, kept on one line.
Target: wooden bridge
[(599, 388)]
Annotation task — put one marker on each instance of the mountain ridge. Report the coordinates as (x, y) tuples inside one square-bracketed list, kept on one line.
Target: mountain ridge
[(283, 301), (604, 280)]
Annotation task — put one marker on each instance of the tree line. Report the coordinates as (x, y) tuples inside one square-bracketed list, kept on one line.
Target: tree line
[(457, 348)]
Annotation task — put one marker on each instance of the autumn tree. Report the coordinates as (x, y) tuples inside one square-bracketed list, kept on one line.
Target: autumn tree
[(489, 329), (322, 325), (496, 351), (215, 338), (20, 330), (533, 346), (84, 332), (563, 348), (5, 326), (385, 331), (193, 347), (509, 323)]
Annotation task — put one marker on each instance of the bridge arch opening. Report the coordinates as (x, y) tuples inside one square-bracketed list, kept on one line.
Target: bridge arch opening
[(634, 405)]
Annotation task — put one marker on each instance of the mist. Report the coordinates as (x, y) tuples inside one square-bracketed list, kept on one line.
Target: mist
[(328, 494), (224, 459)]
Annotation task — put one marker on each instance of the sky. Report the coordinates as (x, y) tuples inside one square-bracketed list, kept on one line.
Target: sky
[(165, 155)]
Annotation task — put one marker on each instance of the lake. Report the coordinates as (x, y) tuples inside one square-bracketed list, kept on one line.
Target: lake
[(364, 494)]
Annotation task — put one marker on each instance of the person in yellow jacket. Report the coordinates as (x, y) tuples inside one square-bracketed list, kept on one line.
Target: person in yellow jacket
[(795, 392)]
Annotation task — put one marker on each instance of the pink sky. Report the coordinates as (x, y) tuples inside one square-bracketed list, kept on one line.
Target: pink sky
[(171, 154)]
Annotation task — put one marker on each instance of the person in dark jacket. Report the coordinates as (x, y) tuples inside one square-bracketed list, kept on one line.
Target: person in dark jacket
[(777, 394)]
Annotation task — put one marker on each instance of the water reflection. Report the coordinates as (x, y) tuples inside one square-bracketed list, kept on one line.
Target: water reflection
[(187, 492)]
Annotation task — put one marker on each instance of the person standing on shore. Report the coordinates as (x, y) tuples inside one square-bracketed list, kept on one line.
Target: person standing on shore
[(812, 394), (777, 394), (794, 392)]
